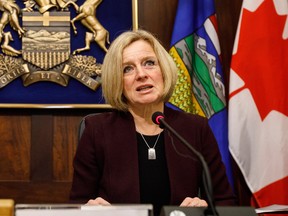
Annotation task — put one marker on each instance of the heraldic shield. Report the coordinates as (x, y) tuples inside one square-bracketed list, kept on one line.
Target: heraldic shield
[(62, 42), (46, 42)]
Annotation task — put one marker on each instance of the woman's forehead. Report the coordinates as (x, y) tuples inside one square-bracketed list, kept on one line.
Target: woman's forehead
[(138, 49)]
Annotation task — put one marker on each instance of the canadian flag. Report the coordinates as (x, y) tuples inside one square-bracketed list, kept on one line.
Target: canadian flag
[(258, 100)]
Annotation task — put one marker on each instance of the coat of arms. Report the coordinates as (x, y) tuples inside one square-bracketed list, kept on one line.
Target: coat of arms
[(45, 37)]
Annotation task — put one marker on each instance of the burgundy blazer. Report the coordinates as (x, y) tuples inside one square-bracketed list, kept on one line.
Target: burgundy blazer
[(106, 160)]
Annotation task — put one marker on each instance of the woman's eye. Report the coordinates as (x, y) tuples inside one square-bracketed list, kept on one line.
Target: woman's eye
[(150, 63), (127, 69)]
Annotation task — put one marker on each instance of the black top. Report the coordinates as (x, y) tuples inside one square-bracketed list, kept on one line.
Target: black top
[(153, 174)]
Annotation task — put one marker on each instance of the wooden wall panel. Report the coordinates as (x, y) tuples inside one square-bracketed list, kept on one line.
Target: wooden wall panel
[(65, 138), (157, 16), (41, 148), (27, 157), (15, 148), (35, 192)]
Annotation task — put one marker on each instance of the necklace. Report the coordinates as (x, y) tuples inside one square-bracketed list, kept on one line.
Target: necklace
[(151, 150)]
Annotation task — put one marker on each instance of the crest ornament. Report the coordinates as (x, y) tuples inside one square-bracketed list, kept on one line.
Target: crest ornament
[(46, 53)]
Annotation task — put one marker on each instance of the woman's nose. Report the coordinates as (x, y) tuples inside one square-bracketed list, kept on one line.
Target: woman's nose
[(140, 72)]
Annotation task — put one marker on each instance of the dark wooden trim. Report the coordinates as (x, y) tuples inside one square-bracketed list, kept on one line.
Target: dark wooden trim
[(41, 148), (41, 192)]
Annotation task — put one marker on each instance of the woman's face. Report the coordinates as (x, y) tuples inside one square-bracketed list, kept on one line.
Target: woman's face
[(142, 76)]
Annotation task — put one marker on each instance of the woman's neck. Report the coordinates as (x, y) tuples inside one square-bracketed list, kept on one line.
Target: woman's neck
[(143, 119)]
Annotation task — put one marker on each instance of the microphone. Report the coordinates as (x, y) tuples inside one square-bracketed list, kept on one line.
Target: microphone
[(159, 119)]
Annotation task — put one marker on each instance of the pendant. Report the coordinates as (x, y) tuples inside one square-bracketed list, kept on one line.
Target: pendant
[(151, 154)]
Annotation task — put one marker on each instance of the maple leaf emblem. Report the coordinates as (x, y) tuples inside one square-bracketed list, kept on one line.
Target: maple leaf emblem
[(261, 60)]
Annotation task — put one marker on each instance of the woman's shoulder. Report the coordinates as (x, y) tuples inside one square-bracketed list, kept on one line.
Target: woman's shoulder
[(180, 115), (106, 116)]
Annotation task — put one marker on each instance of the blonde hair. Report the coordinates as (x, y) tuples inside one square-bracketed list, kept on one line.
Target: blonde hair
[(112, 69)]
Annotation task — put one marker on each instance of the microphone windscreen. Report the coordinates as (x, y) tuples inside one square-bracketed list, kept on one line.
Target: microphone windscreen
[(156, 117)]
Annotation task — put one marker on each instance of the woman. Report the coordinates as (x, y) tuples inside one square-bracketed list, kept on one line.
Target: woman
[(123, 157)]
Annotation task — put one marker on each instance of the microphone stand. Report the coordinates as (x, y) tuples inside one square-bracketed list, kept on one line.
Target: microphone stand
[(211, 209)]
